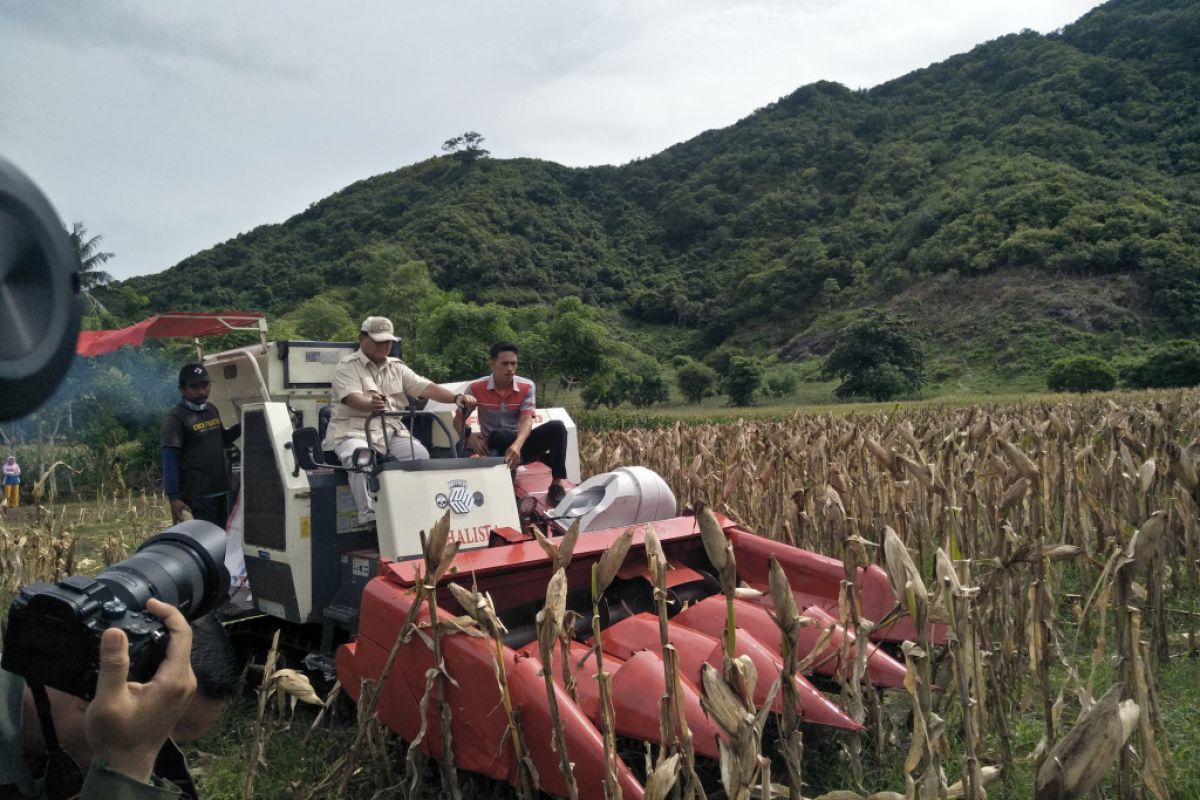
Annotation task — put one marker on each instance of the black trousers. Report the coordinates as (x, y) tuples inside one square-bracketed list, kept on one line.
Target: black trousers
[(547, 443), (214, 509)]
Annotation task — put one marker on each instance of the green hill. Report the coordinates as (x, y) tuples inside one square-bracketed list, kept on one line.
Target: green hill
[(1036, 196)]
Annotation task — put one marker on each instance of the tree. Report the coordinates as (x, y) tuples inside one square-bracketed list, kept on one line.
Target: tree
[(742, 380), (877, 356), (607, 388), (1175, 365), (579, 341), (695, 380), (394, 285), (648, 386), (467, 148), (91, 257), (1081, 374), (455, 340), (324, 320)]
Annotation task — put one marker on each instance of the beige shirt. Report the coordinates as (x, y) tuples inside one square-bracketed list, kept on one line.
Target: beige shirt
[(357, 373)]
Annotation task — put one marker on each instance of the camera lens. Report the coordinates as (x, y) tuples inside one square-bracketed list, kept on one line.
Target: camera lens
[(184, 566), (53, 633), (39, 286)]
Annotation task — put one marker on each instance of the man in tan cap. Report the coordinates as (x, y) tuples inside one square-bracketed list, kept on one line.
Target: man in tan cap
[(370, 380)]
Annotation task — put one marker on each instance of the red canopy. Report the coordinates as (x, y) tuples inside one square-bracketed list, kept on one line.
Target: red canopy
[(163, 326)]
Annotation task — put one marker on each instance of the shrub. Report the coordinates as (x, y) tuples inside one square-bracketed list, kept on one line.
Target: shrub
[(604, 388), (648, 386), (1081, 374), (780, 383), (1175, 365), (742, 380), (695, 380)]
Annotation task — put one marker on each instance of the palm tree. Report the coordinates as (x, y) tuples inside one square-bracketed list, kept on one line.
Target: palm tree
[(90, 258)]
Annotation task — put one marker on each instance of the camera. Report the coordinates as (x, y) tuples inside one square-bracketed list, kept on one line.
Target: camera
[(54, 630)]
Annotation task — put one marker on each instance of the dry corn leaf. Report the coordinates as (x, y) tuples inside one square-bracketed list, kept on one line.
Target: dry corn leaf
[(435, 544), (547, 546), (464, 624)]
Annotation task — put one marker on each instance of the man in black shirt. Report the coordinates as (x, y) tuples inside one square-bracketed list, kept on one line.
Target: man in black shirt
[(193, 452)]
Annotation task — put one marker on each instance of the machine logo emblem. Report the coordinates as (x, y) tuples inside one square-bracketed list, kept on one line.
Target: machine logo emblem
[(459, 499)]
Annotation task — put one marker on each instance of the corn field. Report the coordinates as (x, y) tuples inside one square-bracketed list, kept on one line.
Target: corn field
[(1056, 541), (51, 542), (1055, 544)]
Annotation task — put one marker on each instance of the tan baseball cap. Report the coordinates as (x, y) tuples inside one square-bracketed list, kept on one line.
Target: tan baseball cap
[(380, 329)]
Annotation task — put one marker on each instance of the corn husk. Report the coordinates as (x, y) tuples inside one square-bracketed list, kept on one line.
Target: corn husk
[(296, 685), (1081, 758), (1023, 464), (662, 779), (613, 558), (550, 618)]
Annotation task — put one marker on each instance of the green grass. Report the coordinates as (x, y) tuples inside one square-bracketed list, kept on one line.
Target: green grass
[(716, 410)]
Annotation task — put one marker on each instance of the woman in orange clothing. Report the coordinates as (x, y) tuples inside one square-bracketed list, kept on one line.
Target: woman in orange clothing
[(12, 482)]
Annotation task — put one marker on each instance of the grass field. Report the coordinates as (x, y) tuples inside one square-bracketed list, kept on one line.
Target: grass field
[(1050, 627)]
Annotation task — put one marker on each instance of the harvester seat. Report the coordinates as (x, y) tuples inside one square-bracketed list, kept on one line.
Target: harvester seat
[(323, 416)]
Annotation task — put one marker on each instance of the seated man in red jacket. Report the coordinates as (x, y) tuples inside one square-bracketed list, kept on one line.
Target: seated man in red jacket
[(506, 405)]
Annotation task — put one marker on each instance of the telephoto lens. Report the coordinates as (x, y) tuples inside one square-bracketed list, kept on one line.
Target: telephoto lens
[(54, 630)]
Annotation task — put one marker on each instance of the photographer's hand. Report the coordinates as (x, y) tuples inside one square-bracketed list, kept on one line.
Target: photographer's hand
[(127, 722)]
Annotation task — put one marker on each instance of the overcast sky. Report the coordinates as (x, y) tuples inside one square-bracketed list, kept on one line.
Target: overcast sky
[(171, 127)]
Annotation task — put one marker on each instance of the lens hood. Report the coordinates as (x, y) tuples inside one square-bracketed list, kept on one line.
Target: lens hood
[(206, 542)]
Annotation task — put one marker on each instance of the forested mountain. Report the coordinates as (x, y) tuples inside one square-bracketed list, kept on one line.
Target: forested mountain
[(1052, 179)]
